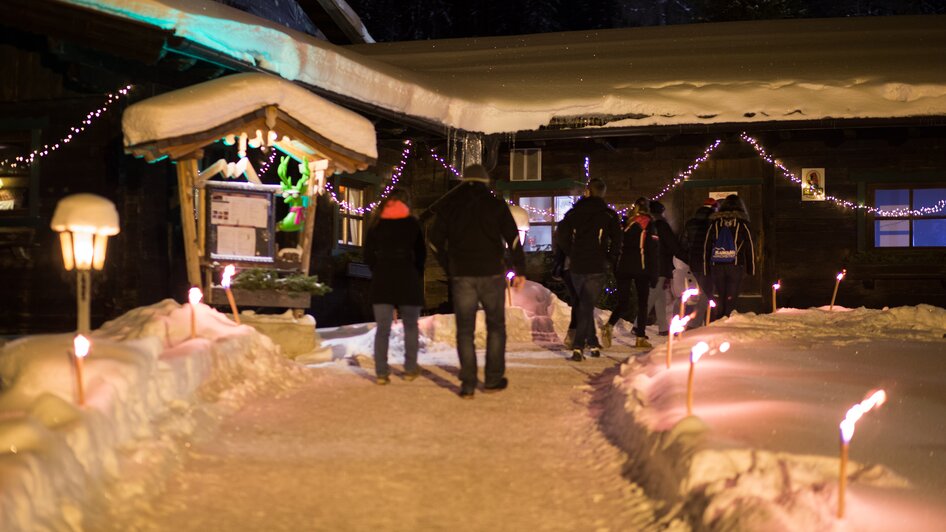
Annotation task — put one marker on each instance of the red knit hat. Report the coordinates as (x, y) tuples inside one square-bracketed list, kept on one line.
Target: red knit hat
[(709, 202)]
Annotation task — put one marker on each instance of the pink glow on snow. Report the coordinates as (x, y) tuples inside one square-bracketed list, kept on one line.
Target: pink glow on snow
[(874, 400)]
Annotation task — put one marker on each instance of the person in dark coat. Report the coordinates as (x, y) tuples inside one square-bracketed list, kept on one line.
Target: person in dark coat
[(395, 252), (660, 298), (590, 235), (638, 265), (694, 238), (561, 270), (727, 267), (471, 232)]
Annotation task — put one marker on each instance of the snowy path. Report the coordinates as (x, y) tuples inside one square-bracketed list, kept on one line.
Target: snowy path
[(341, 453)]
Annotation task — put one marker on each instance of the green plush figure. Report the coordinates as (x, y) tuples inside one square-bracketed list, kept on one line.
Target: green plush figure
[(293, 195)]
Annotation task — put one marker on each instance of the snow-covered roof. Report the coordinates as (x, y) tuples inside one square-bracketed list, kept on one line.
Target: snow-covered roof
[(204, 107), (742, 72)]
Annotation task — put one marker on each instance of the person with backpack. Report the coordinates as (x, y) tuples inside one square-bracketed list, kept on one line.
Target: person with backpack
[(728, 252), (395, 251), (590, 235), (660, 299), (471, 232), (638, 265), (694, 239)]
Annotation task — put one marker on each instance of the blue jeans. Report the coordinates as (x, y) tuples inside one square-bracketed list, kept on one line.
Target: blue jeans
[(588, 286), (384, 315), (468, 294)]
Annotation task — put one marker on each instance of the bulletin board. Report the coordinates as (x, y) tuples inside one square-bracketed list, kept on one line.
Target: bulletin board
[(241, 222)]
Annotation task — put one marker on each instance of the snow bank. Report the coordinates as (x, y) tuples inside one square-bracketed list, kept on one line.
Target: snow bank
[(149, 388), (760, 450)]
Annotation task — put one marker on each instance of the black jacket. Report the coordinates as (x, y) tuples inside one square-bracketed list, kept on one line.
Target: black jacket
[(738, 221), (669, 247), (590, 235), (472, 229), (395, 252), (694, 238), (640, 253)]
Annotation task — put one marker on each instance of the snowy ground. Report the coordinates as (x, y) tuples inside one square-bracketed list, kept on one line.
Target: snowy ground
[(222, 432)]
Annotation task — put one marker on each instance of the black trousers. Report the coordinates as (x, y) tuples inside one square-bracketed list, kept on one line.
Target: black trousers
[(642, 285), (727, 279)]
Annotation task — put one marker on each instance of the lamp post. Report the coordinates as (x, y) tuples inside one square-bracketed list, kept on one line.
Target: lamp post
[(84, 223)]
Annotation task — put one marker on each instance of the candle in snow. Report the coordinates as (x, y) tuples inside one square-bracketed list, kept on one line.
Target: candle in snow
[(81, 346), (677, 324), (710, 305), (225, 282), (836, 283), (689, 292), (510, 275), (775, 287), (194, 296), (873, 400)]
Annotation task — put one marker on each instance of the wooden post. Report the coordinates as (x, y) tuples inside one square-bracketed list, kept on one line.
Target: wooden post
[(317, 171), (83, 298), (186, 177)]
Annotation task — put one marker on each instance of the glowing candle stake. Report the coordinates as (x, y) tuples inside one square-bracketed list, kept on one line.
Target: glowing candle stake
[(677, 324), (225, 282), (696, 352), (689, 292), (510, 275), (775, 287), (873, 400), (194, 296), (710, 305), (81, 346), (836, 283)]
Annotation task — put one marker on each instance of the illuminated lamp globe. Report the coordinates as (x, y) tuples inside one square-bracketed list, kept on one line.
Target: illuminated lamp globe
[(520, 216), (84, 223)]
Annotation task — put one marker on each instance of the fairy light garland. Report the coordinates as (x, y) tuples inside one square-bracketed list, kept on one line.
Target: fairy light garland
[(26, 160), (269, 163), (893, 213), (682, 176), (395, 177), (587, 169)]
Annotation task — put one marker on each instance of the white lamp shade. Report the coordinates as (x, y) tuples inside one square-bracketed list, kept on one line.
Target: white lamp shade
[(85, 213), (520, 216)]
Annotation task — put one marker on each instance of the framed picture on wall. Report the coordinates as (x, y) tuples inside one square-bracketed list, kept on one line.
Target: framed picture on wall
[(812, 184)]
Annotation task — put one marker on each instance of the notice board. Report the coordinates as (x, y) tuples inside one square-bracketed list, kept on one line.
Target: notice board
[(241, 224)]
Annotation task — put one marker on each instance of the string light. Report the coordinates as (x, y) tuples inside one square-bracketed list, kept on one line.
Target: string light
[(395, 177), (26, 160), (894, 213), (266, 166), (587, 169), (682, 176)]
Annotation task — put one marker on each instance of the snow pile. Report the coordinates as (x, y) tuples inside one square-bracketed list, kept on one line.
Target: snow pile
[(760, 451), (148, 389)]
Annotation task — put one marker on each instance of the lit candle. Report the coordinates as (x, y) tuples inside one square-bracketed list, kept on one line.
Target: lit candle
[(225, 282), (696, 352), (836, 283), (873, 400), (677, 324), (775, 287), (510, 275), (194, 296), (81, 346), (689, 292), (710, 305)]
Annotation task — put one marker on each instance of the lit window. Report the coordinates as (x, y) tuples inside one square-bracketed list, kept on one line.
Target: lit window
[(925, 230), (352, 222), (544, 214), (15, 181)]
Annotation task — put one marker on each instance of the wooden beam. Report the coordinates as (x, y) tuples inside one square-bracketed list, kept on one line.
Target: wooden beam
[(317, 173), (186, 177)]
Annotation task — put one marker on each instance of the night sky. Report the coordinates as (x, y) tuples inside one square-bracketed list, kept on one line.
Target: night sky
[(397, 20)]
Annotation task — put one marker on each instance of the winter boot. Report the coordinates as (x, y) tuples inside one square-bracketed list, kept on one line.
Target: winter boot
[(607, 331), (569, 338), (577, 356), (595, 352), (642, 342)]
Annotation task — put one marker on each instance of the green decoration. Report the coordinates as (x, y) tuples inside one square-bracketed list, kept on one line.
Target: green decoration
[(293, 195), (260, 279)]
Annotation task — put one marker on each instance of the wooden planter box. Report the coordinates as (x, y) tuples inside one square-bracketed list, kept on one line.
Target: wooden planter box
[(262, 298)]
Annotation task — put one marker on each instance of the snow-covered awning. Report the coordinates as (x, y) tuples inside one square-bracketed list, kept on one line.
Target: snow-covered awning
[(735, 72), (180, 122)]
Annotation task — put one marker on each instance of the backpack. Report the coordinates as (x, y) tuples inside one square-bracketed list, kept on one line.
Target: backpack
[(724, 247)]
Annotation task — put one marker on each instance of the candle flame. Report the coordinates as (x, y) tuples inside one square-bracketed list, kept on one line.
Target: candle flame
[(697, 351), (777, 285), (712, 303), (874, 400), (510, 275), (194, 295), (689, 292), (723, 347), (677, 324), (227, 274), (81, 344), (842, 274)]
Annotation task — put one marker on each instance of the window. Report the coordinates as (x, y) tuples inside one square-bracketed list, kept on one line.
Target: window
[(544, 213), (925, 230), (352, 223), (15, 181)]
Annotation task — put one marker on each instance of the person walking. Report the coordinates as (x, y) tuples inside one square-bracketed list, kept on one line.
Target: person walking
[(590, 235), (472, 230), (728, 252), (638, 265), (694, 237), (561, 270), (659, 297), (395, 252)]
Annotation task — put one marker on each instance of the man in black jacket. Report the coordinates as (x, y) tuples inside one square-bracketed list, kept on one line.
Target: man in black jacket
[(590, 235), (469, 237), (660, 298), (694, 239)]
